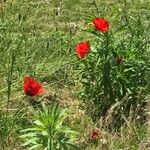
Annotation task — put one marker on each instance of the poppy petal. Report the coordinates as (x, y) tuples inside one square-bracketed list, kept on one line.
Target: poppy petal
[(95, 134), (32, 87), (82, 49), (101, 24)]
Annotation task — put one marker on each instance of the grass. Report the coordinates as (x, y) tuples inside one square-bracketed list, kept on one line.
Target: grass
[(38, 39)]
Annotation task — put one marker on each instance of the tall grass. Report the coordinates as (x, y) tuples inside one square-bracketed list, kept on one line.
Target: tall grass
[(37, 38), (29, 46)]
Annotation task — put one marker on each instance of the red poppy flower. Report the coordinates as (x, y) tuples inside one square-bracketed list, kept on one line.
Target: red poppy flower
[(82, 49), (32, 87), (119, 60), (101, 24), (95, 134)]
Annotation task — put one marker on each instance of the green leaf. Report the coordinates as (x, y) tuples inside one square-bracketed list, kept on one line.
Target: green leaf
[(32, 141), (63, 145), (73, 145), (37, 122), (35, 146), (31, 134)]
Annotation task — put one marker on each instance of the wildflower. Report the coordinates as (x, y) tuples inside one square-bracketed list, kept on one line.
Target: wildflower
[(119, 60), (32, 87), (82, 49), (101, 24), (95, 134)]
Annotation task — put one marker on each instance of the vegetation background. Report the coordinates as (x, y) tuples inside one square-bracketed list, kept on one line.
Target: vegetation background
[(38, 38)]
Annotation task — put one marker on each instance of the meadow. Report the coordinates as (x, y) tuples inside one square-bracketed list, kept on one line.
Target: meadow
[(74, 74)]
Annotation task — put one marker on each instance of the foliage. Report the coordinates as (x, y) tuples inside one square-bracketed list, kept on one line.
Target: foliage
[(11, 123), (116, 69), (37, 38), (49, 132)]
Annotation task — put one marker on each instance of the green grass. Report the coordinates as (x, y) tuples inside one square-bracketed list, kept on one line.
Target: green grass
[(38, 39)]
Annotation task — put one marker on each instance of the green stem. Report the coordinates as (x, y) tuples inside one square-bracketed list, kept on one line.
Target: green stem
[(9, 83), (2, 10), (107, 69), (126, 18), (106, 42), (50, 143), (94, 2), (9, 80)]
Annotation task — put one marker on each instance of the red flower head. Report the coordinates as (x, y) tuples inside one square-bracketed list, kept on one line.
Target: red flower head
[(101, 24), (119, 60), (82, 49), (32, 87), (95, 134)]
